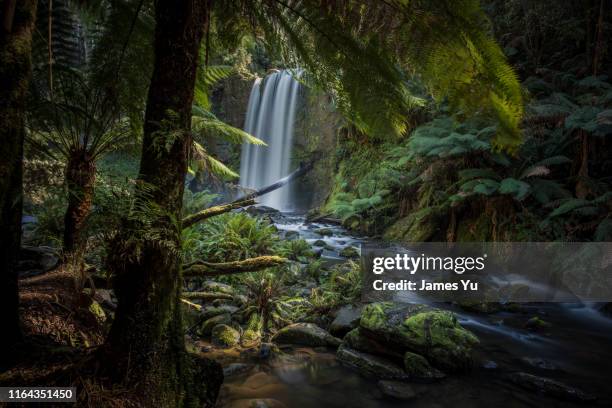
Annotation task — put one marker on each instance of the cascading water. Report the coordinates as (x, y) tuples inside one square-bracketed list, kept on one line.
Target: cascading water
[(270, 117)]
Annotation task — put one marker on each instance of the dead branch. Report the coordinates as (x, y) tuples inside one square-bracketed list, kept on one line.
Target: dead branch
[(201, 268), (216, 210)]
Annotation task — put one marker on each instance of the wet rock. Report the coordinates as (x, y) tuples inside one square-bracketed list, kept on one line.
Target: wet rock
[(356, 340), (224, 336), (540, 363), (207, 327), (326, 232), (479, 307), (397, 390), (346, 320), (349, 252), (489, 365), (371, 365), (236, 369), (261, 210), (417, 367), (436, 334), (550, 387), (305, 334), (319, 243), (536, 323)]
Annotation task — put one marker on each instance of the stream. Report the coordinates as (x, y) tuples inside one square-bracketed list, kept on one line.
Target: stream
[(575, 350)]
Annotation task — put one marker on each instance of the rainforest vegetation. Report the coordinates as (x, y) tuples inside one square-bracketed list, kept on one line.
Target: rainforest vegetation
[(137, 266)]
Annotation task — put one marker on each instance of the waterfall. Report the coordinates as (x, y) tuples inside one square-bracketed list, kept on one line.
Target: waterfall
[(270, 117)]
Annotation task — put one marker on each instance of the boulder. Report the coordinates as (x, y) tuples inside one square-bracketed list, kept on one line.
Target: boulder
[(371, 365), (291, 235), (550, 387), (436, 334), (397, 390), (261, 210), (45, 258), (346, 320), (206, 327), (349, 252), (211, 286), (326, 232), (209, 312), (305, 334), (224, 336), (356, 340), (536, 323), (417, 367), (319, 243)]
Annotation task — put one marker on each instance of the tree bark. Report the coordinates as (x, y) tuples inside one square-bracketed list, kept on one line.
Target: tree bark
[(80, 180), (15, 69), (145, 347)]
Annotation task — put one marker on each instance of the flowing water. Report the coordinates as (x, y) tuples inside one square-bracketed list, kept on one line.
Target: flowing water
[(575, 351), (270, 117)]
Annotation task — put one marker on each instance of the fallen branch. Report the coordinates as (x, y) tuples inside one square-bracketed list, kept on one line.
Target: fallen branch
[(247, 199), (191, 304), (201, 268), (216, 210), (206, 295)]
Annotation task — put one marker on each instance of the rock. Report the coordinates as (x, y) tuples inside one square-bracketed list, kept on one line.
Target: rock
[(397, 390), (536, 323), (46, 258), (326, 232), (207, 327), (224, 336), (236, 369), (436, 334), (257, 403), (261, 210), (240, 300), (417, 367), (550, 387), (209, 312), (489, 365), (349, 252), (540, 363), (319, 243), (346, 320), (356, 340), (479, 307), (210, 286), (371, 365), (97, 312), (305, 334), (291, 235)]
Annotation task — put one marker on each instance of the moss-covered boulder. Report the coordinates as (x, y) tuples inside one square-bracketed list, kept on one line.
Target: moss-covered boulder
[(326, 232), (224, 336), (417, 367), (357, 341), (206, 327), (349, 252), (347, 318), (305, 334), (371, 365), (436, 334)]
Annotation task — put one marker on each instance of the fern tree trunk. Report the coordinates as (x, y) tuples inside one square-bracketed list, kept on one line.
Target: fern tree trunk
[(17, 20), (145, 347), (80, 179)]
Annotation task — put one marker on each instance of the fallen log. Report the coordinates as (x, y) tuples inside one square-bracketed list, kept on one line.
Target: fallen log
[(216, 210), (299, 172), (206, 295), (201, 268)]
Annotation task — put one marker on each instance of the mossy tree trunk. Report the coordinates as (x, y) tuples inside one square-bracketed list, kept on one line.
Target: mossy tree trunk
[(145, 347), (80, 180), (17, 23)]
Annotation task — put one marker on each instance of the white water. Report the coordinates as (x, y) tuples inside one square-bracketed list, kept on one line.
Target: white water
[(270, 117)]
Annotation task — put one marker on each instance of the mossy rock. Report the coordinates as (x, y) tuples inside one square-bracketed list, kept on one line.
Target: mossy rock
[(357, 341), (320, 243), (350, 252), (536, 323), (209, 312), (210, 286), (419, 369), (326, 232), (208, 325), (436, 334), (305, 334), (224, 336)]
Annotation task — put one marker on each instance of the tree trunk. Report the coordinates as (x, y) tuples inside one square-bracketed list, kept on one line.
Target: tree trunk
[(145, 347), (15, 67), (80, 179)]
